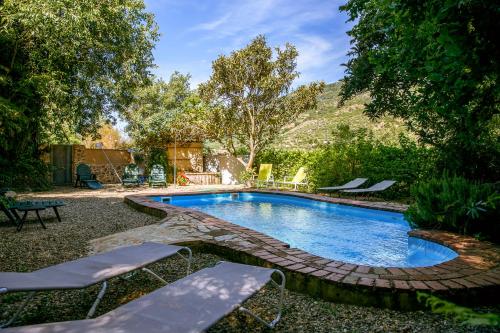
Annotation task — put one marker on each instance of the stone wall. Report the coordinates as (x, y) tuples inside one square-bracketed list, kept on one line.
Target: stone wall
[(105, 174), (96, 159)]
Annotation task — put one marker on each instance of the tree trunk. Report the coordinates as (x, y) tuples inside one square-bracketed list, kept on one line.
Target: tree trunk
[(251, 159)]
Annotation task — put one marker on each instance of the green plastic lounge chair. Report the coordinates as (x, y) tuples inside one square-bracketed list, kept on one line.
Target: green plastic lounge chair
[(189, 305), (265, 176), (131, 175), (350, 185), (379, 187), (85, 272), (297, 180), (157, 176), (5, 207), (85, 177), (10, 208)]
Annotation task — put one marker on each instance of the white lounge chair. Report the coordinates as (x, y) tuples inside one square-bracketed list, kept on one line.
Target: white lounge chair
[(350, 185), (382, 186), (189, 305), (85, 272)]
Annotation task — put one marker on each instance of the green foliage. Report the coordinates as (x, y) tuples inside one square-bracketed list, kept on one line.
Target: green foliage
[(25, 172), (435, 64), (65, 66), (250, 96), (456, 204), (355, 153), (246, 176), (156, 156), (163, 111), (313, 127), (460, 313)]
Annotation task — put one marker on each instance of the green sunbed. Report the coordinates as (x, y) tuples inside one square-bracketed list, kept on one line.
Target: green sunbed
[(157, 176)]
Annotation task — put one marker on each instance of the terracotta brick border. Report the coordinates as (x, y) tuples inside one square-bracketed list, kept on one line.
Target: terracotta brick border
[(472, 278)]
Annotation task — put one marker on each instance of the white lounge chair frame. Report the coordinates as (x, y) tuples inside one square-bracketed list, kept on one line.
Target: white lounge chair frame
[(191, 304), (104, 282)]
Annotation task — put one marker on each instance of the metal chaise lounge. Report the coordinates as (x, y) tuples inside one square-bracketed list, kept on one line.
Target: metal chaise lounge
[(297, 180), (87, 271), (191, 304), (265, 176), (347, 186), (379, 187)]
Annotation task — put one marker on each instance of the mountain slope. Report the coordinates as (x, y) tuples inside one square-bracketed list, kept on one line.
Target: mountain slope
[(314, 127)]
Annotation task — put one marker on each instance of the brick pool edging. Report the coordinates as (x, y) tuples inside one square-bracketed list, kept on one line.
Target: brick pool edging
[(471, 278)]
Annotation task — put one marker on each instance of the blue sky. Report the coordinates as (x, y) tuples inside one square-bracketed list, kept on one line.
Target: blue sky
[(194, 33)]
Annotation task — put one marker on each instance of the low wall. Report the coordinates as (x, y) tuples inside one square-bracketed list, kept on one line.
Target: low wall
[(227, 165), (204, 178)]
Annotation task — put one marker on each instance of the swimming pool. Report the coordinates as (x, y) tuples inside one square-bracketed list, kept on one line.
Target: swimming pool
[(349, 234)]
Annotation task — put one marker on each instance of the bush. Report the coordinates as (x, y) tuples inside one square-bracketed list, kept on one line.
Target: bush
[(459, 313), (24, 173), (455, 204), (352, 154), (156, 156)]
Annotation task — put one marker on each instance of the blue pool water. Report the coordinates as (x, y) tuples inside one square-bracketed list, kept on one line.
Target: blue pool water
[(339, 232)]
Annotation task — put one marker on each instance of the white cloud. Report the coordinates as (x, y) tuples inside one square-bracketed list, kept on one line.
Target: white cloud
[(250, 18), (316, 52), (213, 24)]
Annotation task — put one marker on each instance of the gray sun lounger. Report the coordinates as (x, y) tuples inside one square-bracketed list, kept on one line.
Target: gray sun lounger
[(350, 185), (189, 305), (383, 185), (87, 271)]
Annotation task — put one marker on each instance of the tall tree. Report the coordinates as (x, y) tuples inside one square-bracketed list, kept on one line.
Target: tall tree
[(109, 136), (163, 111), (250, 97), (435, 64), (65, 66)]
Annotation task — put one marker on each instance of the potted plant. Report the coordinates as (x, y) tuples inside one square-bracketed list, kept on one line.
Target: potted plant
[(182, 179)]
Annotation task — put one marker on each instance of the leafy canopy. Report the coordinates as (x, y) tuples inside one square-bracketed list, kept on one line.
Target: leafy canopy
[(435, 64), (250, 96), (66, 66), (164, 111)]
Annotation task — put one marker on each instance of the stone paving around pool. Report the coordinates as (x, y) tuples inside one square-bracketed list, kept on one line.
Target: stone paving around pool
[(472, 277)]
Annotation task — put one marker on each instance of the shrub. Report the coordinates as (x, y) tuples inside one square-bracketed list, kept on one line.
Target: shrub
[(246, 176), (24, 173), (459, 313), (355, 153), (156, 156), (455, 204)]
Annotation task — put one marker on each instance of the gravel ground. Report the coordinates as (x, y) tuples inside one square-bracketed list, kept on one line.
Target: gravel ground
[(90, 215)]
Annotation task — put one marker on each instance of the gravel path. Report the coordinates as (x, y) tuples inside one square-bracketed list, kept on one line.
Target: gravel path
[(90, 215)]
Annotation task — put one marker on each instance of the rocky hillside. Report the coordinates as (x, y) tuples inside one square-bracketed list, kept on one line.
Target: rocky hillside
[(314, 127)]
